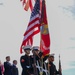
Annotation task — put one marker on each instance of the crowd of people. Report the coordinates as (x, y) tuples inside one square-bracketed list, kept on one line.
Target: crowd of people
[(33, 64), (7, 68)]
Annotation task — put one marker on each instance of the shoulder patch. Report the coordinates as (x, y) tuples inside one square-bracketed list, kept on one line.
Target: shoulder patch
[(22, 60)]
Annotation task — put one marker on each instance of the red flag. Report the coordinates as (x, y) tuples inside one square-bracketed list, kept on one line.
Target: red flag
[(27, 4), (33, 26), (45, 37), (23, 2)]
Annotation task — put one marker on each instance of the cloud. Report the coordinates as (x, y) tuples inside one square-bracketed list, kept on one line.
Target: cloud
[(70, 71), (70, 10), (72, 38), (72, 63), (1, 2), (71, 47)]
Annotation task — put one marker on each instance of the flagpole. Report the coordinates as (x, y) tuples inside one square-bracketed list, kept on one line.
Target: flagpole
[(34, 66), (41, 64)]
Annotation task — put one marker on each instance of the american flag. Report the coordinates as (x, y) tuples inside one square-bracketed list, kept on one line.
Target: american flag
[(33, 26)]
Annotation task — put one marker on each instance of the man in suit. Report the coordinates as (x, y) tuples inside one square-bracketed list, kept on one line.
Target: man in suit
[(7, 66), (14, 68), (25, 61)]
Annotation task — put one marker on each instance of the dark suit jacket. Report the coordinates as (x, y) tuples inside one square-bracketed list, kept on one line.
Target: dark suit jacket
[(0, 71), (14, 70), (7, 67)]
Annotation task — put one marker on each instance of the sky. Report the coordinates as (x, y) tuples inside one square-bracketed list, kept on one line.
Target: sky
[(61, 22)]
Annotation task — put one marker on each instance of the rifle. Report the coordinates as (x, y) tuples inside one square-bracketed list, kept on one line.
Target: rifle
[(60, 73), (34, 66), (41, 66), (48, 68)]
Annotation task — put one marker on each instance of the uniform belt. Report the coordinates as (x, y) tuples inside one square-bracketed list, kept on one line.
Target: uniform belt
[(28, 66)]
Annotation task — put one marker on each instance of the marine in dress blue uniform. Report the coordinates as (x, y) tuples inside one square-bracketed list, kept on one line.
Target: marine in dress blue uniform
[(38, 60), (51, 66), (26, 62), (35, 58)]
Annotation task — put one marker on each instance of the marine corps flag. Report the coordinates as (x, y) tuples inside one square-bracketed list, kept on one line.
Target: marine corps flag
[(45, 37)]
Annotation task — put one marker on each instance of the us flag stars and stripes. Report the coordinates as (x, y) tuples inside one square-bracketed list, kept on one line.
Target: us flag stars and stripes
[(33, 26)]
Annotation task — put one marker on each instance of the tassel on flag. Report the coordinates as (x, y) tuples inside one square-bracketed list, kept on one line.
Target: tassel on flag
[(27, 4), (23, 2)]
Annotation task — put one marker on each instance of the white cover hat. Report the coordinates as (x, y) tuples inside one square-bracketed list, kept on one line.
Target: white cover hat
[(35, 48), (27, 47), (51, 55)]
